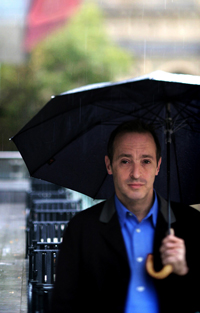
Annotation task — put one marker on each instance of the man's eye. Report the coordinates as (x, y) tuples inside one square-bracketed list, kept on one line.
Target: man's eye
[(124, 161), (146, 161)]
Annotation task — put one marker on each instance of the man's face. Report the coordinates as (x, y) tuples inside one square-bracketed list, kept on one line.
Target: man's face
[(134, 167)]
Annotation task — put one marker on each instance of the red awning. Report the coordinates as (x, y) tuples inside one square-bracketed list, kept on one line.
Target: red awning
[(45, 16)]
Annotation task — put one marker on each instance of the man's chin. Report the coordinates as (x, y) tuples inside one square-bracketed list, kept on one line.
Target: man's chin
[(136, 195)]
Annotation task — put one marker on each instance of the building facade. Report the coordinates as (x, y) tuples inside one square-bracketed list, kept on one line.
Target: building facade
[(160, 34)]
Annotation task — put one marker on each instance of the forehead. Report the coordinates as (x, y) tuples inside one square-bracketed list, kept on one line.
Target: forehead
[(135, 141)]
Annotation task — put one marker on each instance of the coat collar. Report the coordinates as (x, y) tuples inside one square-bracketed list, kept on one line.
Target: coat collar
[(163, 205), (109, 210)]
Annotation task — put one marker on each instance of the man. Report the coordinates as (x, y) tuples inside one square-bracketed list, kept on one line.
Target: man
[(101, 267)]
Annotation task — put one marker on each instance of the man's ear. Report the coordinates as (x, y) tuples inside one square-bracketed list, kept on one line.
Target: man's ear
[(158, 167), (108, 165)]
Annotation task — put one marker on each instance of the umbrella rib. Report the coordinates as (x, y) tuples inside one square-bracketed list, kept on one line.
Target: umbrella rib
[(156, 116), (148, 106), (195, 118), (128, 113), (132, 113), (144, 106), (183, 120)]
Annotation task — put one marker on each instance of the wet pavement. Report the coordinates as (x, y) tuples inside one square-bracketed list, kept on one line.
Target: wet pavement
[(13, 265)]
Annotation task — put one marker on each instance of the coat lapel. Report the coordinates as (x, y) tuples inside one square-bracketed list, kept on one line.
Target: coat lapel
[(111, 230)]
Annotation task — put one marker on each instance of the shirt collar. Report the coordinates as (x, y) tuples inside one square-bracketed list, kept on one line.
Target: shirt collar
[(122, 211)]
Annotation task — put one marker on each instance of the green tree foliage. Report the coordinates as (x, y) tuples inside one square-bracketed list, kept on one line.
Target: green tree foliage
[(79, 53), (18, 101)]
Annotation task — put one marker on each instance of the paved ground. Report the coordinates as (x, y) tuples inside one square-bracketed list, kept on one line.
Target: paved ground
[(13, 266)]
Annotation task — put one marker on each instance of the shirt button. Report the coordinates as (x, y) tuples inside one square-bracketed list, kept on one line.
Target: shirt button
[(138, 230), (140, 288), (139, 259)]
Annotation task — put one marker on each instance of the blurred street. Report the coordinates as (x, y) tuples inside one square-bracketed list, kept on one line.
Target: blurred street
[(15, 185), (13, 267)]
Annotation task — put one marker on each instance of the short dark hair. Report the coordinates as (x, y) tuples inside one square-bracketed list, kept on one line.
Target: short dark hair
[(132, 126)]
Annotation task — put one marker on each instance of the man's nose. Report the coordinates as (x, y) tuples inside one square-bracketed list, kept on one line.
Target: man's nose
[(135, 171)]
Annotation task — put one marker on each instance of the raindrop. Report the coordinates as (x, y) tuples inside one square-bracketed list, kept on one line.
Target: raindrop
[(144, 54)]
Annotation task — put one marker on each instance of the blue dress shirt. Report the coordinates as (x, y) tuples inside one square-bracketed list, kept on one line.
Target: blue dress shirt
[(138, 237)]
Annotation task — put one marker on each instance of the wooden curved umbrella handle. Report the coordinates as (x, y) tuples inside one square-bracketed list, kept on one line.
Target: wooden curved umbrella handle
[(166, 270)]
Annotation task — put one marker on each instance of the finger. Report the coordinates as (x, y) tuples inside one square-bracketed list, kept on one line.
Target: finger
[(172, 246), (172, 238), (172, 241), (174, 257), (173, 252)]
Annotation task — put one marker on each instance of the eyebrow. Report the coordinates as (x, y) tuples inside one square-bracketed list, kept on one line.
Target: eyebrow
[(143, 156)]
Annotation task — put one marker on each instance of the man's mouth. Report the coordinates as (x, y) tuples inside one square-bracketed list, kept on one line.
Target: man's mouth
[(135, 185)]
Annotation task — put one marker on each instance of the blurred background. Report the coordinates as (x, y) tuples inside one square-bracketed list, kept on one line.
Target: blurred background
[(48, 47)]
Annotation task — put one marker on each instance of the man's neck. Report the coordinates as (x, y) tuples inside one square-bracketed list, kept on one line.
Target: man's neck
[(140, 208)]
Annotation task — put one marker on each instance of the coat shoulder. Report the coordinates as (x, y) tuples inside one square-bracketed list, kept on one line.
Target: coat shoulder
[(185, 211), (187, 220), (90, 214)]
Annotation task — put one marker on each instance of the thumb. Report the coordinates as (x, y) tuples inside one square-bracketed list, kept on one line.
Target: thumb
[(172, 231)]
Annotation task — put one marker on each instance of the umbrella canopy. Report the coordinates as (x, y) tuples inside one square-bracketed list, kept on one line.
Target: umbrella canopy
[(65, 143)]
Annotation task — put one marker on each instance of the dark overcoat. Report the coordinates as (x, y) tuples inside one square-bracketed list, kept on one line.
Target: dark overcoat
[(93, 271)]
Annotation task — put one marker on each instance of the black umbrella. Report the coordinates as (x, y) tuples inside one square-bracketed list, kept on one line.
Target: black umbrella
[(65, 143)]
